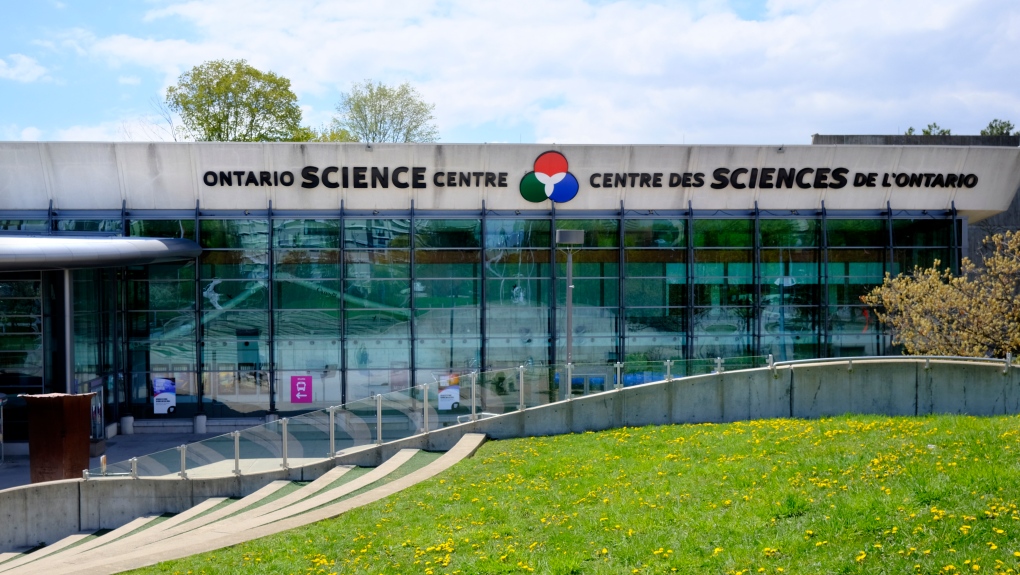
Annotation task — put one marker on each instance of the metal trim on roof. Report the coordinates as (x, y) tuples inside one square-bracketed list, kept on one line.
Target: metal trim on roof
[(21, 253)]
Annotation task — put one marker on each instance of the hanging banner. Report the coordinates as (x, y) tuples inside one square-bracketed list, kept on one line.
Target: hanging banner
[(300, 389), (164, 396)]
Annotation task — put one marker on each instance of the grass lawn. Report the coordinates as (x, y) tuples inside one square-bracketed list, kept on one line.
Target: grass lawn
[(854, 494)]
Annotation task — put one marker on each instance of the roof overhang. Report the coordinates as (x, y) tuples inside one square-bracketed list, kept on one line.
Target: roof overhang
[(57, 253)]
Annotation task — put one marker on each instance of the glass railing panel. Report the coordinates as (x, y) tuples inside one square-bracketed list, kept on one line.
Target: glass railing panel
[(212, 457), (355, 424), (308, 437)]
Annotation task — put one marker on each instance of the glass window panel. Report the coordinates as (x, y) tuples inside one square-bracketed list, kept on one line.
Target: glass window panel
[(655, 292), (517, 292), (525, 322), (853, 319), (306, 294), (24, 225), (790, 233), (377, 293), (724, 233), (517, 264), (162, 228), (790, 347), (20, 306), (306, 233), (517, 233), (323, 324), (19, 289), (161, 325), (234, 264), (446, 293), (164, 271), (742, 259), (595, 292), (218, 294), (798, 264), (248, 234), (107, 226), (20, 342), (853, 345), (655, 234), (856, 232), (711, 347), (307, 263), (720, 294), (377, 264), (239, 352), (655, 263), (16, 324), (378, 353), (385, 233), (857, 262), (647, 321), (597, 233), (462, 321), (904, 261), (590, 263), (234, 324), (789, 319), (451, 233), (789, 291), (168, 295), (146, 353), (922, 233), (459, 353), (843, 292), (447, 263), (392, 323)]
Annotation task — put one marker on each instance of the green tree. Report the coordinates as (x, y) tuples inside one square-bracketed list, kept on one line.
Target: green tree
[(230, 101), (374, 112), (933, 312), (998, 127), (933, 129)]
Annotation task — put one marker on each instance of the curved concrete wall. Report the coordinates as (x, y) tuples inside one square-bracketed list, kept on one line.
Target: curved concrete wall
[(46, 512)]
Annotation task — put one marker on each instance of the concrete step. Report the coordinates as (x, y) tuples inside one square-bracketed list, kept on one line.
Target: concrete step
[(187, 514), (26, 558), (211, 539), (110, 536)]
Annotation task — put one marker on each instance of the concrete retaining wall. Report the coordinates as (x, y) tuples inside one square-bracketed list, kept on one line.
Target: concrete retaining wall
[(47, 512)]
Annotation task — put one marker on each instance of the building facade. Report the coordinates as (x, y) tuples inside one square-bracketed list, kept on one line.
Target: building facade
[(360, 269)]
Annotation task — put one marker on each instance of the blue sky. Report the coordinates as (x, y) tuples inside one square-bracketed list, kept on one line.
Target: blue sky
[(565, 71)]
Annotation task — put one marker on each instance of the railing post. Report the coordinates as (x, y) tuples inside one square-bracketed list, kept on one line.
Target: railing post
[(474, 391), (849, 365), (102, 465), (283, 436), (332, 431), (669, 369), (425, 410), (378, 419), (237, 451), (520, 388), (1009, 360), (134, 467), (184, 461), (570, 381), (718, 365), (619, 375), (927, 363)]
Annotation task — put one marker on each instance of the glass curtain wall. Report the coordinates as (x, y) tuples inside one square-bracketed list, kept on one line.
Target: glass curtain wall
[(656, 289), (518, 283), (334, 309), (596, 292), (377, 305)]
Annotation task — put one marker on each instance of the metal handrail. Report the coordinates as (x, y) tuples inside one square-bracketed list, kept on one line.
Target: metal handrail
[(990, 360)]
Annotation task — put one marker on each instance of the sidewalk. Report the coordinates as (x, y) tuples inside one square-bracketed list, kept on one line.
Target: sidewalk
[(15, 469)]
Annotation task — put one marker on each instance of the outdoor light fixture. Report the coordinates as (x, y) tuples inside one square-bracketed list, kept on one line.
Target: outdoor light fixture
[(569, 240)]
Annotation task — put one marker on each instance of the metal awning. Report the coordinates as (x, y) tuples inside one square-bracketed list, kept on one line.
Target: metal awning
[(20, 253)]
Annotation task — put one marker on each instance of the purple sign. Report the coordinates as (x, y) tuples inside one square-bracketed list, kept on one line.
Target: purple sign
[(300, 389)]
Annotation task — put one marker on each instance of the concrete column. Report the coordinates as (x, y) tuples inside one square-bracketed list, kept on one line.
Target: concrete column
[(127, 425), (200, 426)]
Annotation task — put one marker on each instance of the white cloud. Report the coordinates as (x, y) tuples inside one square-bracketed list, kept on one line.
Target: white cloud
[(21, 68), (620, 71), (31, 134), (129, 80), (128, 129)]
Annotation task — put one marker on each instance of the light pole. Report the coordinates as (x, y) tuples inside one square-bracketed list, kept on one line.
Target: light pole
[(570, 239)]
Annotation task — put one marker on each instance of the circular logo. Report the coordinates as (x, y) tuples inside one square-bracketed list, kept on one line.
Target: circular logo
[(550, 180)]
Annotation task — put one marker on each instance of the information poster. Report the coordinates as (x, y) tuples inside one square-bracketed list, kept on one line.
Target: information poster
[(164, 396), (300, 389)]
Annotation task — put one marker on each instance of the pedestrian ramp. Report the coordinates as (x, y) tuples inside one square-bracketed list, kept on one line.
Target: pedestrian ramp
[(220, 522)]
